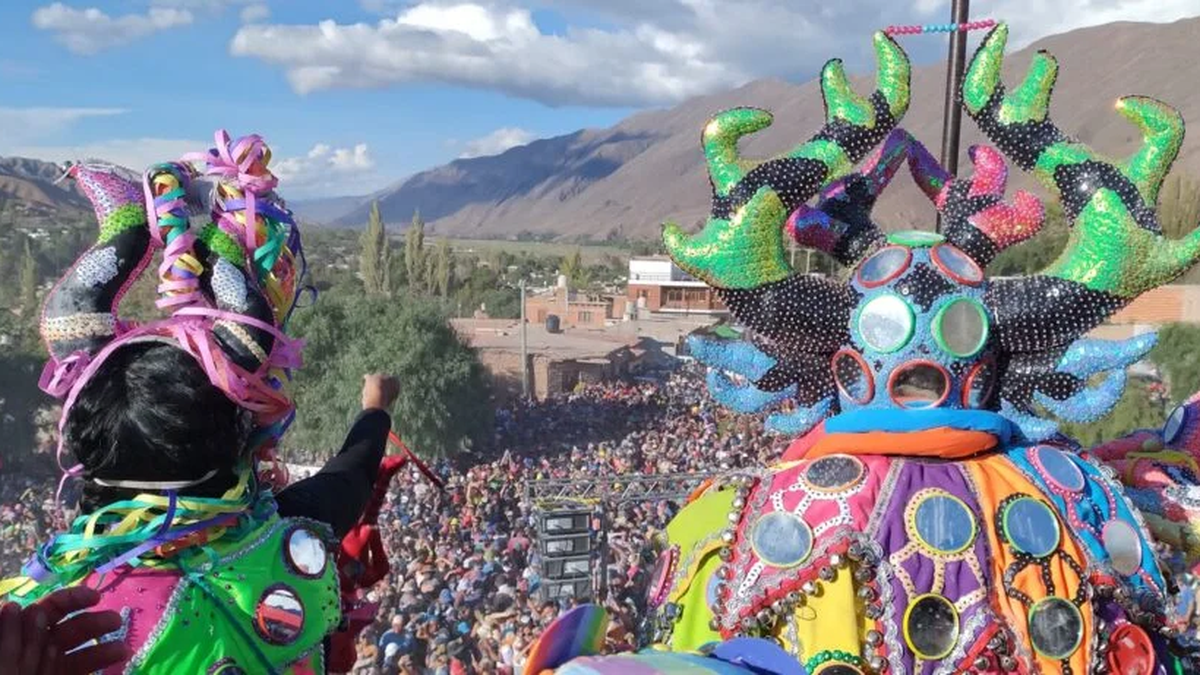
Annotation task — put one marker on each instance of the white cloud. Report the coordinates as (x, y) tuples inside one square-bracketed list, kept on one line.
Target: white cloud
[(496, 142), (25, 125), (132, 153), (87, 31), (326, 170), (255, 13), (649, 52), (491, 47), (356, 159)]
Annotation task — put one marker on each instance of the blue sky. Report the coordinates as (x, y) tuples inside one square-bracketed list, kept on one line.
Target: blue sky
[(353, 96)]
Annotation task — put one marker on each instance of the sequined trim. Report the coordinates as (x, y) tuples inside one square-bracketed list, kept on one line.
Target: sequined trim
[(97, 267), (244, 337), (77, 326), (891, 630), (967, 636)]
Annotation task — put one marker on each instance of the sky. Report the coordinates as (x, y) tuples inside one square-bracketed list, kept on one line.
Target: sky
[(354, 95)]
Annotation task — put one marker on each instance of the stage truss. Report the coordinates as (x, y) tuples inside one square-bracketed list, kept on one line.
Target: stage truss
[(612, 490)]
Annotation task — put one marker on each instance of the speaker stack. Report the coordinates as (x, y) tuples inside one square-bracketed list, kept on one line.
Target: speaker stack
[(565, 541)]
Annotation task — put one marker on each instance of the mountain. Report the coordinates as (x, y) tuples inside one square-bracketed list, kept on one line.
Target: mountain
[(629, 178), (33, 188)]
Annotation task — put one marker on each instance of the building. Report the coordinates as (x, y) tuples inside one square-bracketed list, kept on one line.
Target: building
[(575, 310), (558, 362), (1175, 303), (658, 285)]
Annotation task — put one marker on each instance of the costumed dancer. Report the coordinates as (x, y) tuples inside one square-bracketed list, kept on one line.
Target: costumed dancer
[(186, 530), (929, 518)]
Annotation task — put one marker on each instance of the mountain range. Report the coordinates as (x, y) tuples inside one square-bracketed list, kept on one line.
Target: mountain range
[(624, 181), (33, 186)]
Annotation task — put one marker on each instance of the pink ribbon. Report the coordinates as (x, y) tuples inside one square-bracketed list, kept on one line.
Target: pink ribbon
[(221, 162), (59, 376)]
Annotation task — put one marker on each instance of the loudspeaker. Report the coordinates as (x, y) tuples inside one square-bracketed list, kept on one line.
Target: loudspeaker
[(574, 567), (565, 522), (572, 544)]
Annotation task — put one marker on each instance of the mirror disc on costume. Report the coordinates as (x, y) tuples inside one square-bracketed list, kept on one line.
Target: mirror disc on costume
[(1124, 547), (919, 384), (834, 472), (781, 539), (886, 323), (931, 626), (1059, 469), (979, 385), (1031, 527), (279, 615), (885, 265), (853, 377), (1055, 628), (660, 578), (1130, 651), (961, 327), (710, 591), (1174, 424), (957, 265), (306, 553), (944, 523)]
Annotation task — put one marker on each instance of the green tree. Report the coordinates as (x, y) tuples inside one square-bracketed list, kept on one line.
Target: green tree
[(1177, 355), (443, 268), (572, 268), (8, 271), (414, 254), (399, 273), (28, 282), (374, 260), (429, 280), (443, 405)]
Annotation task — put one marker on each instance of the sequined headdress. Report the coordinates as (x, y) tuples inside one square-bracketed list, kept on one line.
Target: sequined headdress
[(229, 285), (917, 324)]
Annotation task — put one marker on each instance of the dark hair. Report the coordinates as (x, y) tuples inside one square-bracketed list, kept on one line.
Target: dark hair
[(150, 413)]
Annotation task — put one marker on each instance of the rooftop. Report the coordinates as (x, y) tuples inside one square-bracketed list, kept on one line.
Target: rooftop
[(574, 343)]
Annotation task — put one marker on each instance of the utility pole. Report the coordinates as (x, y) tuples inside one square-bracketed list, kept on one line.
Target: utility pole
[(524, 347), (952, 112)]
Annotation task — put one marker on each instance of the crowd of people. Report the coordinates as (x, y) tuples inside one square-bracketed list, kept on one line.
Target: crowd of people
[(465, 593)]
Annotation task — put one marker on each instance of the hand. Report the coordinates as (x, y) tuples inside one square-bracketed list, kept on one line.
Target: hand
[(379, 391), (35, 639)]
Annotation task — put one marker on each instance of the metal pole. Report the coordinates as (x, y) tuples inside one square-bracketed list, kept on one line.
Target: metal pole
[(524, 348), (952, 113)]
